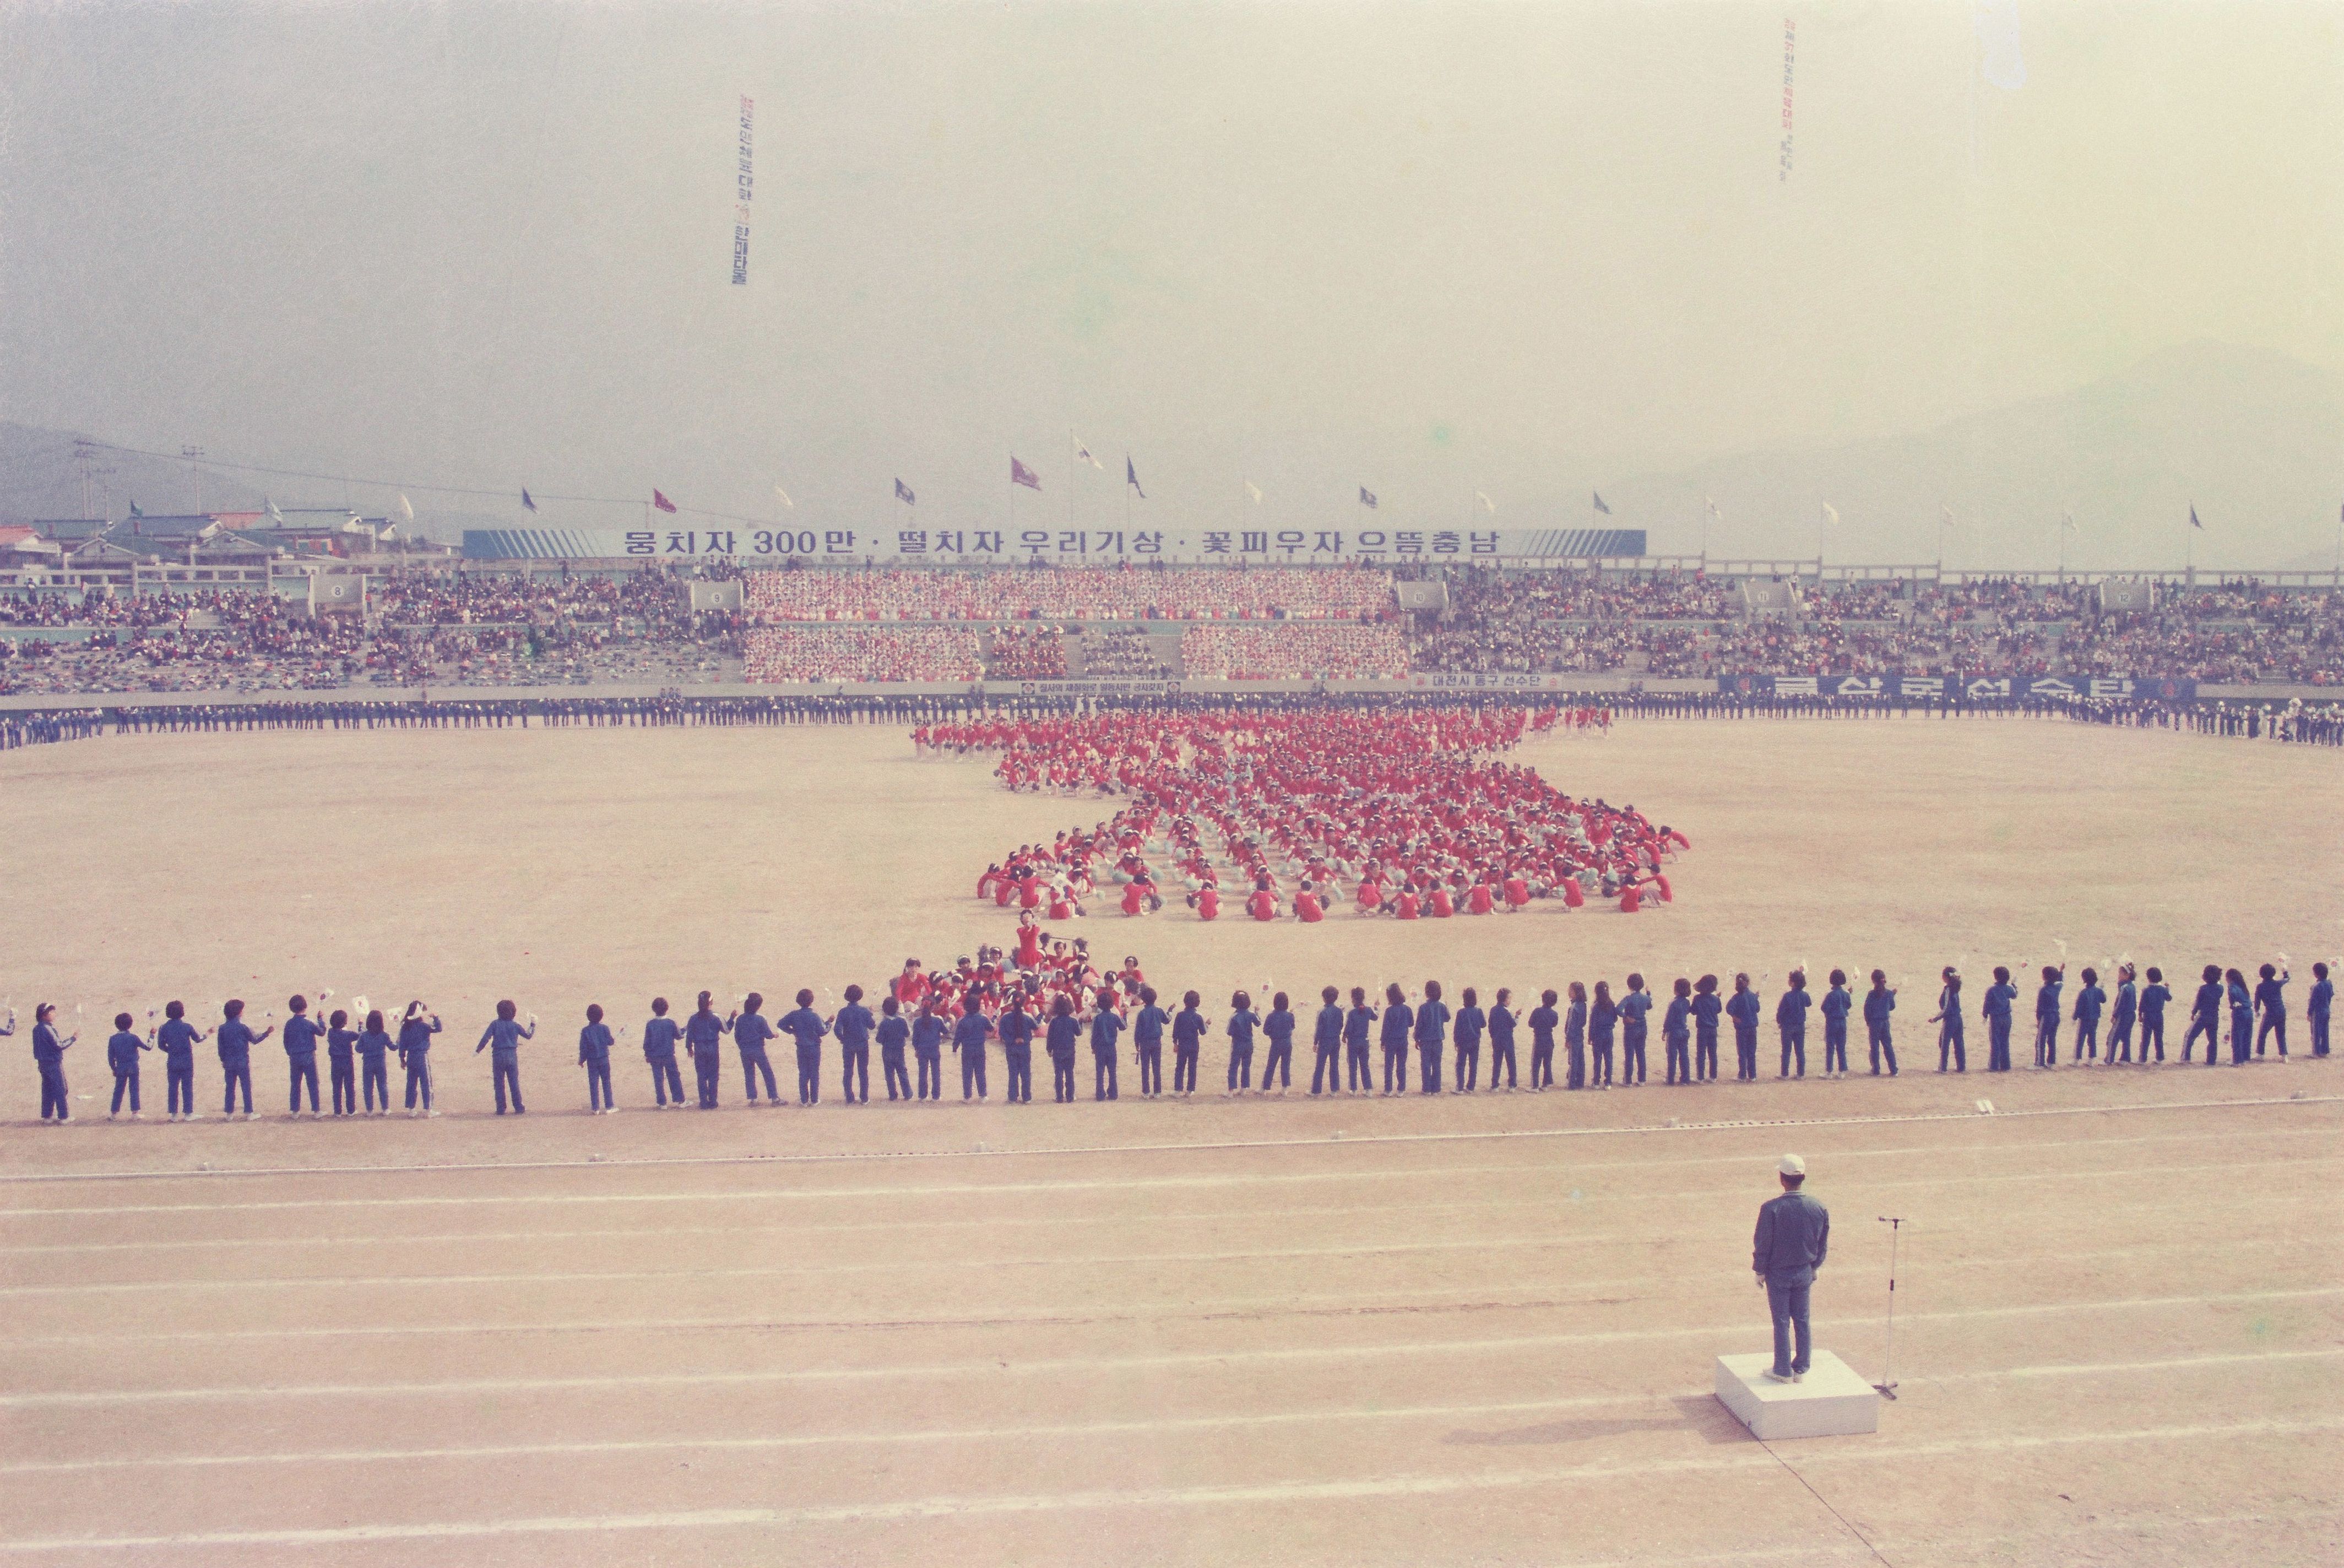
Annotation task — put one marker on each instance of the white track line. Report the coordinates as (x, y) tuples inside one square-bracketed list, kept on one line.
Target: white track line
[(1085, 1261), (993, 1366), (1754, 1123), (1125, 1184), (1067, 1430), (1275, 1492)]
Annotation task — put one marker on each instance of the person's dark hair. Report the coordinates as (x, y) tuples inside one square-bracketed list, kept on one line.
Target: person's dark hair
[(1358, 996), (1147, 996), (1684, 987), (1839, 976), (1740, 981), (1470, 999), (1433, 990), (594, 1012), (2156, 975), (1505, 995), (175, 1009), (1189, 999), (1635, 982), (1602, 990), (1547, 998), (888, 1005), (296, 1004), (506, 1010), (706, 1000), (122, 1020), (2268, 972), (340, 1020), (805, 999), (1060, 1007), (1329, 995), (1793, 1183), (1798, 979), (1239, 1002), (753, 1001), (1578, 991), (2001, 975), (233, 1007), (1879, 978), (2319, 971), (1277, 1003), (855, 993), (658, 1005), (2234, 977), (1706, 984), (374, 1022), (2213, 973), (2050, 973), (41, 1011), (2091, 975)]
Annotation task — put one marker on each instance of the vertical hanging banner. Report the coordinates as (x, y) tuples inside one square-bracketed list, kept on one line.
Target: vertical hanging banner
[(745, 186), (1789, 59)]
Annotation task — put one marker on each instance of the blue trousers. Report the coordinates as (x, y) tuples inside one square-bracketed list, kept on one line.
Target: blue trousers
[(754, 1063), (52, 1091), (854, 1072), (1788, 1303), (374, 1079), (598, 1085), (1794, 1048), (1997, 1045), (344, 1084), (1103, 1085), (1241, 1066), (179, 1088), (418, 1079), (126, 1078), (930, 1064), (303, 1071), (667, 1084), (706, 1066), (505, 1072), (234, 1073)]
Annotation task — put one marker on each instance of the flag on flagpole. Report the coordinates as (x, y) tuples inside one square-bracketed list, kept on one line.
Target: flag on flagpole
[(1254, 490), (2192, 516), (1599, 503), (1946, 513), (1083, 455), (525, 501), (1131, 476), (135, 511), (1831, 514), (405, 510), (1020, 474), (277, 517), (662, 502), (1713, 514), (903, 494), (1487, 504), (2067, 520), (1366, 496), (784, 497)]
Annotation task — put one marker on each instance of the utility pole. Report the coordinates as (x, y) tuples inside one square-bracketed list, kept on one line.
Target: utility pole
[(84, 454), (195, 456)]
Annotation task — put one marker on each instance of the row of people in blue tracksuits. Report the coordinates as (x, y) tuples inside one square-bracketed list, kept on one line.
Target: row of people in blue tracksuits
[(1602, 1039)]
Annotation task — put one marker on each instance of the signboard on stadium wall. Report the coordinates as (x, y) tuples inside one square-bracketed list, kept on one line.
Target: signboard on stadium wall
[(1974, 688), (1437, 681), (1070, 546)]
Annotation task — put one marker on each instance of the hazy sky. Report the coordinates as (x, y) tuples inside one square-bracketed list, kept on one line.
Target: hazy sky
[(1428, 249)]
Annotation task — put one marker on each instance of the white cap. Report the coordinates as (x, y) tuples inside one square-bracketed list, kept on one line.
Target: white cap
[(1791, 1165)]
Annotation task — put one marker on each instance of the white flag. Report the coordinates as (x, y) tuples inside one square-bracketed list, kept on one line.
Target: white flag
[(1947, 514), (406, 510), (1083, 455), (1831, 514), (1254, 490), (274, 516), (1712, 509), (784, 497), (2067, 520), (1487, 504)]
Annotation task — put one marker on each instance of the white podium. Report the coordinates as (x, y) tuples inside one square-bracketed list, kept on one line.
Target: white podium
[(1831, 1401)]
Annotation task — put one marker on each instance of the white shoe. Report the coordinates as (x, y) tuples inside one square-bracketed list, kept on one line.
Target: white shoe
[(611, 1110), (430, 1113)]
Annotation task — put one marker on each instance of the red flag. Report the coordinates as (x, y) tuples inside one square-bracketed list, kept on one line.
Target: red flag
[(662, 502), (1020, 474)]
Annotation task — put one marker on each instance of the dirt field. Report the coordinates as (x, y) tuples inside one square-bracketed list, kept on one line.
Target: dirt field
[(1470, 1330)]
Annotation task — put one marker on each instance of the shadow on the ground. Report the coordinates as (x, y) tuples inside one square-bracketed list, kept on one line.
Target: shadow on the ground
[(1699, 1413)]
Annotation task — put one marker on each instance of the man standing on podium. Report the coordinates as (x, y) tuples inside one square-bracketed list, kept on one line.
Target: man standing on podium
[(1793, 1234)]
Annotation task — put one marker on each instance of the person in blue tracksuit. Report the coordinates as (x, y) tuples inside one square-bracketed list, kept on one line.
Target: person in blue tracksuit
[(2122, 1011), (1603, 1020), (1574, 1037), (1501, 1039), (374, 1046), (415, 1032), (594, 1044), (1431, 1038), (1148, 1042), (50, 1050), (1106, 1028), (2154, 997), (1744, 1009), (502, 1040), (1837, 1004), (1791, 1024), (1017, 1028), (1278, 1028), (2270, 1003), (234, 1040), (930, 1029), (703, 1036), (1633, 1009), (122, 1049), (1676, 1034), (1327, 1042), (1063, 1033), (2090, 1002), (177, 1041), (1188, 1045), (659, 1035), (1470, 1023), (970, 1032), (1878, 1004), (300, 1040), (2206, 1016), (341, 1063), (893, 1034), (1706, 1008), (1399, 1020), (853, 1025), (2317, 1006), (1359, 1077), (806, 1027), (1544, 1020), (1998, 1010), (2242, 1017), (2046, 1015), (749, 1030), (1242, 1023)]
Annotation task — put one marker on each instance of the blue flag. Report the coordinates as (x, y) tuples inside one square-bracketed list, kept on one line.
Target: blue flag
[(1131, 476), (1366, 496), (903, 493), (525, 501), (1599, 506), (2192, 516)]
